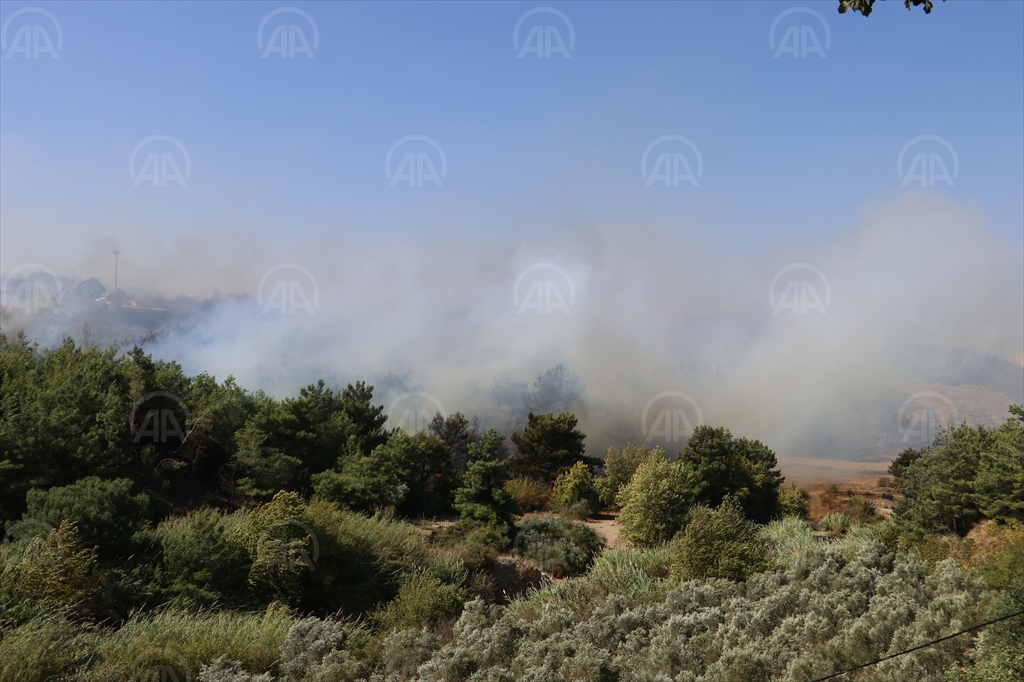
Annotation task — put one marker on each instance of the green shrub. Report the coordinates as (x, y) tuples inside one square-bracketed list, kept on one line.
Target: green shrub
[(559, 547), (548, 446), (861, 510), (200, 561), (188, 640), (722, 466), (573, 493), (836, 523), (967, 475), (718, 543), (619, 468), (106, 513), (792, 502), (43, 649), (655, 503), (482, 496), (655, 562), (423, 601), (476, 545), (55, 570), (791, 540), (529, 493)]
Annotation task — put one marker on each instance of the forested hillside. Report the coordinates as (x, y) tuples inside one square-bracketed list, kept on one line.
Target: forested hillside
[(165, 526)]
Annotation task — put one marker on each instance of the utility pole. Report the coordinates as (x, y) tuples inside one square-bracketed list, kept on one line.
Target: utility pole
[(116, 254)]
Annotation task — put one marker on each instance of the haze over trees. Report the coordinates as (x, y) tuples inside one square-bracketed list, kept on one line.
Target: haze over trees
[(159, 521)]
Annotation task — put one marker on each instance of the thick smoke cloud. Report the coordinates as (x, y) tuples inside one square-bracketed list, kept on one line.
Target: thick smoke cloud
[(653, 307)]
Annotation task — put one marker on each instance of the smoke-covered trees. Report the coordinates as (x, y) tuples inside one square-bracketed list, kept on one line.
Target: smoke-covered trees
[(721, 465), (548, 446), (482, 496)]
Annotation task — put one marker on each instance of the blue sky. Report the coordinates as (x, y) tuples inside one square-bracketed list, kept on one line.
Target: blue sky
[(789, 145), (797, 165)]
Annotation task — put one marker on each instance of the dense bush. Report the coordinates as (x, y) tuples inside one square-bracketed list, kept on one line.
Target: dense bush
[(720, 466), (718, 543), (619, 467), (530, 494), (483, 497), (559, 547), (836, 523), (202, 561), (967, 475), (792, 502), (548, 446), (205, 555), (106, 514), (573, 493), (423, 601), (861, 510), (823, 615), (655, 503)]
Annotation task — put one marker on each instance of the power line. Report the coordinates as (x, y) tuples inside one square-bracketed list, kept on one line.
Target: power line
[(922, 646)]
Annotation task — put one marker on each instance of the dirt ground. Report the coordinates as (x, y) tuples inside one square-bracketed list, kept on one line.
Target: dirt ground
[(607, 526), (833, 495)]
